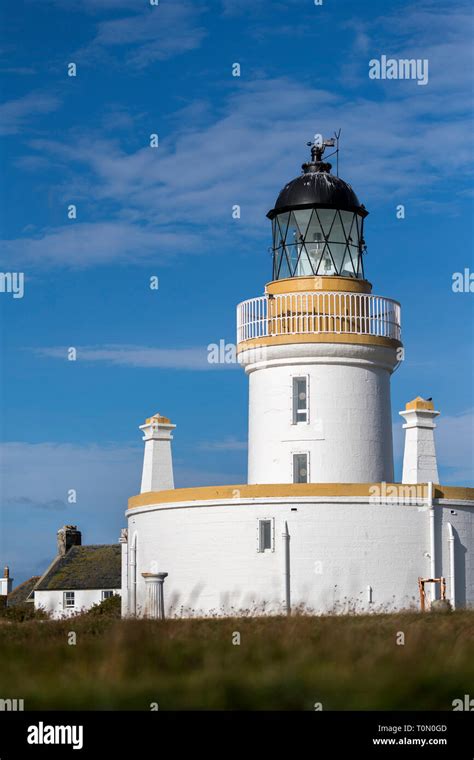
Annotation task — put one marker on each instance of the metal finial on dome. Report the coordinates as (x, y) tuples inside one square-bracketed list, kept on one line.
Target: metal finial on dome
[(318, 146)]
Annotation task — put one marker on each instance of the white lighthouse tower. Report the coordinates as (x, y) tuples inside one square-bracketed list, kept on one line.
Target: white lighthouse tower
[(319, 348), (320, 525)]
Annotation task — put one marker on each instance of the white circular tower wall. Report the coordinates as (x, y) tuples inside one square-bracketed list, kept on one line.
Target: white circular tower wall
[(347, 432)]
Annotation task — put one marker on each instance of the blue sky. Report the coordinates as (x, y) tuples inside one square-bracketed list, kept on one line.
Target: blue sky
[(167, 212)]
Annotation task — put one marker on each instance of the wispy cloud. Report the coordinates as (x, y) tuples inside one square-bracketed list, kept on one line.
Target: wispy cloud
[(146, 33), (20, 70), (417, 30), (139, 356), (245, 7), (98, 5), (241, 150), (38, 478), (23, 502), (15, 114), (228, 444), (80, 245)]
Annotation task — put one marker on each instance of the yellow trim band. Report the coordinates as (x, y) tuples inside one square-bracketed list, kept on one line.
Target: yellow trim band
[(318, 285), (284, 490), (351, 338)]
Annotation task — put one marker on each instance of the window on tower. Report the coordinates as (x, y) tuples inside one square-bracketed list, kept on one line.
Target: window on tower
[(300, 468), (265, 535), (300, 400)]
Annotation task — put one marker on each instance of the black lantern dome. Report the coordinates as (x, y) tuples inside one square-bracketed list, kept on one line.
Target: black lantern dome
[(317, 224)]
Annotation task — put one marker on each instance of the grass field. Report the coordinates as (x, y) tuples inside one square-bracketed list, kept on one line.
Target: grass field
[(342, 662)]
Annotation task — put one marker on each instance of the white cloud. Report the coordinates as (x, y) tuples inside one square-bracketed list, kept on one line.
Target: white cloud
[(243, 151), (228, 444), (102, 5), (20, 70), (42, 473), (80, 245), (245, 154), (56, 505), (154, 33), (140, 356), (246, 7), (95, 5), (15, 114)]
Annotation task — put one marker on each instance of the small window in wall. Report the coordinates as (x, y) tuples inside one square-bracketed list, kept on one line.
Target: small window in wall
[(69, 599), (107, 594), (300, 468), (300, 400), (265, 535)]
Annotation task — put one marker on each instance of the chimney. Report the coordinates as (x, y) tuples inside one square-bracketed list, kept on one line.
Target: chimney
[(68, 536), (6, 583), (419, 459), (157, 472)]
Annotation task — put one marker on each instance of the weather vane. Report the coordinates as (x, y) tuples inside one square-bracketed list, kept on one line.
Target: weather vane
[(319, 145)]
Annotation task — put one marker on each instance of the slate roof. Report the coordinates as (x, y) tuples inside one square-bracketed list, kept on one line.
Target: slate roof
[(85, 567), (20, 594)]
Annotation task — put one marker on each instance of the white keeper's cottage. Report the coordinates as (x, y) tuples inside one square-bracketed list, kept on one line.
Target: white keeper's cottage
[(77, 578), (320, 523)]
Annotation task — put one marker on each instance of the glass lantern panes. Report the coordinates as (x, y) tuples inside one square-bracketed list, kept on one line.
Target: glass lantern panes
[(317, 242)]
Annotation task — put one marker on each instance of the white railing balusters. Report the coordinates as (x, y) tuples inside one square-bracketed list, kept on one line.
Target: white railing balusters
[(312, 313)]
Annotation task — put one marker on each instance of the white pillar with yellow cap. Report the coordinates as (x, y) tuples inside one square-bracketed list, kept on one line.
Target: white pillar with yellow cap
[(157, 472), (419, 459)]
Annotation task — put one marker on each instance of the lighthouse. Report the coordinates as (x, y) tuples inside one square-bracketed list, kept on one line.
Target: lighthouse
[(319, 347), (320, 525)]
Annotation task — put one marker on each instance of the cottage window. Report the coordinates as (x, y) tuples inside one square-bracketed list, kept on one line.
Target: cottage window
[(69, 598), (107, 594)]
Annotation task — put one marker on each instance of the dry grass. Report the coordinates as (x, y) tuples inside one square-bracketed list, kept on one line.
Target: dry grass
[(344, 662)]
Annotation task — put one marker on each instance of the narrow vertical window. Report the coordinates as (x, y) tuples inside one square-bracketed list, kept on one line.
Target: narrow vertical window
[(300, 468), (300, 400), (265, 538)]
